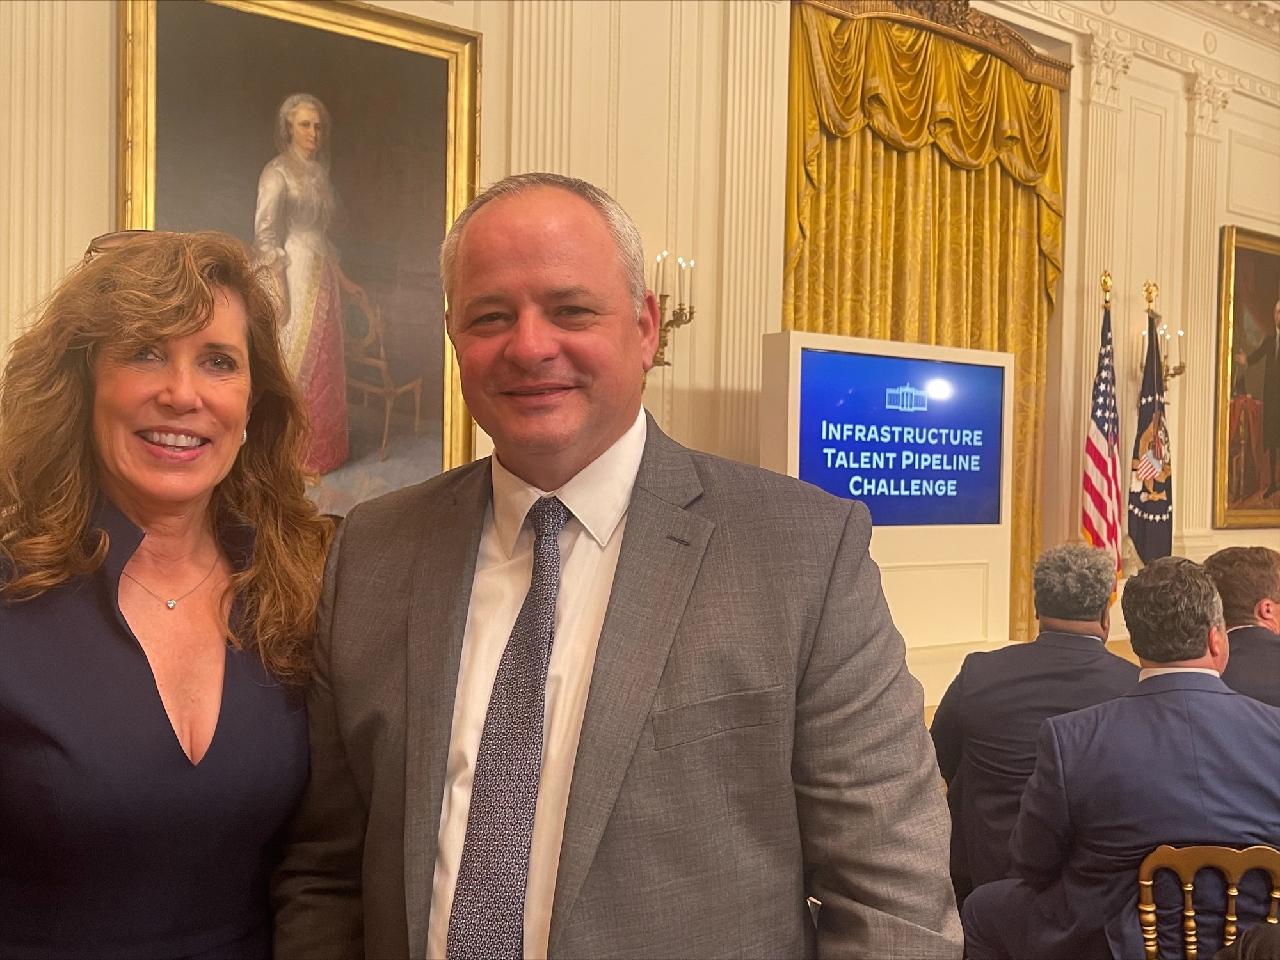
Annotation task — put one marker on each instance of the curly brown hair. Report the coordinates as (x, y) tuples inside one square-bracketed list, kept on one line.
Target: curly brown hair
[(154, 287)]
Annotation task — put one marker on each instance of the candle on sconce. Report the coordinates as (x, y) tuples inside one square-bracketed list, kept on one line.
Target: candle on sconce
[(679, 281), (1181, 334), (662, 272), (657, 265), (691, 286)]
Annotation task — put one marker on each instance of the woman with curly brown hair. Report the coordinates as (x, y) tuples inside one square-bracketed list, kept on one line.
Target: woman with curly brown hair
[(159, 572)]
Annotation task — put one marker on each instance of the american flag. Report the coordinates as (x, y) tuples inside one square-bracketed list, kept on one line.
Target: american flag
[(1100, 503)]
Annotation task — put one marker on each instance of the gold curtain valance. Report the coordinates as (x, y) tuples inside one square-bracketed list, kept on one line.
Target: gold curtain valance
[(914, 88)]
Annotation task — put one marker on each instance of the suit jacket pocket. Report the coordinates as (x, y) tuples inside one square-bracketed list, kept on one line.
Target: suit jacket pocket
[(729, 711)]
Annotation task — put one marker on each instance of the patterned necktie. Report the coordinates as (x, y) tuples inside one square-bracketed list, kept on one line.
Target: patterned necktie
[(487, 919)]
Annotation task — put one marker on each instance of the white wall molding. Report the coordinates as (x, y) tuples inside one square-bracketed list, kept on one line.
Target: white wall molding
[(615, 83), (1101, 117), (542, 86), (33, 160), (1157, 49), (1257, 19), (1205, 100), (751, 229), (1108, 63), (57, 111)]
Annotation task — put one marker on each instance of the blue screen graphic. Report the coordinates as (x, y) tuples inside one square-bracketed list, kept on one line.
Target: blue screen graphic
[(917, 441)]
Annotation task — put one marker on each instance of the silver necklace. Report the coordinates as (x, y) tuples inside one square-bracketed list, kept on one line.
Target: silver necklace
[(172, 602)]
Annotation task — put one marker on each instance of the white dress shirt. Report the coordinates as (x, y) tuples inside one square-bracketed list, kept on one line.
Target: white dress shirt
[(597, 497), (1146, 673)]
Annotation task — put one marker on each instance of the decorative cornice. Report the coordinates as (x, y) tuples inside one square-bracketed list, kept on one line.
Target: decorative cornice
[(1152, 48), (1207, 100), (954, 19), (1256, 19), (1108, 63)]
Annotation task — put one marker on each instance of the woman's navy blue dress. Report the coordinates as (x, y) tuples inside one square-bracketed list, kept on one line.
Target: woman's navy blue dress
[(112, 843)]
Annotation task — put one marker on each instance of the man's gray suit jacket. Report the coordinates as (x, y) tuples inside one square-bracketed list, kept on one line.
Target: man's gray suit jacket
[(751, 735)]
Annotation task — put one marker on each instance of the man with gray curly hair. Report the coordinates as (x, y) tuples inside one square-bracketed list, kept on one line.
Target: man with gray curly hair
[(1180, 760), (984, 730)]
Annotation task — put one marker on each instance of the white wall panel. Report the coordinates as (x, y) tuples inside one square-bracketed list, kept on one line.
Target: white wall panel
[(1251, 162)]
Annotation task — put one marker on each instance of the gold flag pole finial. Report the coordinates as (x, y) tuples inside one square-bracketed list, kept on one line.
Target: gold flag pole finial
[(1150, 290), (1105, 282)]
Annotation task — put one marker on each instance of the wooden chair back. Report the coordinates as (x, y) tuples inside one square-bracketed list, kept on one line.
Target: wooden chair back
[(1185, 862)]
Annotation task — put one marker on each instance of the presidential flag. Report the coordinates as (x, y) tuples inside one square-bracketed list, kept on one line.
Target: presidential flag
[(1100, 502), (1151, 470)]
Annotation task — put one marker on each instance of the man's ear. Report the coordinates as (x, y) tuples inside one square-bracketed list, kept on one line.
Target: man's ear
[(649, 322), (1267, 612), (1217, 645)]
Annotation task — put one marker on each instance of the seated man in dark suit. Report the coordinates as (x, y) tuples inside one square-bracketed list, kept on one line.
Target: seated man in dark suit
[(985, 728), (1248, 579), (1183, 759)]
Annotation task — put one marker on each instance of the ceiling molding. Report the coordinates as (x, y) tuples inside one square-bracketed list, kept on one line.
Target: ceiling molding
[(1258, 20), (1153, 48)]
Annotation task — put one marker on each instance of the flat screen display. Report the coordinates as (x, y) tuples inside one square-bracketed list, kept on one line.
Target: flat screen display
[(918, 441)]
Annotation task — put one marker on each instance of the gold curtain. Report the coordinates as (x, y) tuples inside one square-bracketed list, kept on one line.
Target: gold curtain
[(924, 204)]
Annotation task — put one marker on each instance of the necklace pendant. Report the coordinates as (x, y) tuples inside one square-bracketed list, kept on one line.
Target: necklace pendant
[(171, 604)]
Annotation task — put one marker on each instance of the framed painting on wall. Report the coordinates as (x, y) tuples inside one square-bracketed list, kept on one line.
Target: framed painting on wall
[(1247, 466), (338, 141)]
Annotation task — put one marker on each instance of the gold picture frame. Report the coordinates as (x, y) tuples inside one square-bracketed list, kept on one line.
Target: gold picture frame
[(1247, 412), (406, 92)]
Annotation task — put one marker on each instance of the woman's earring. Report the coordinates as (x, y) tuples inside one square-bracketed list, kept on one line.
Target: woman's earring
[(244, 437)]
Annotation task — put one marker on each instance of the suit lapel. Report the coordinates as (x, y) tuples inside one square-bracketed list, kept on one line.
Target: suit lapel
[(441, 592), (662, 548)]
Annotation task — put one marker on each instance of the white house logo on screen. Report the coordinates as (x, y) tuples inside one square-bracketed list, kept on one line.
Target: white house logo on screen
[(906, 398)]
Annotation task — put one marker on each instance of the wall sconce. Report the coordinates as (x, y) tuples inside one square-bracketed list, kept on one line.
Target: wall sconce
[(683, 310), (1151, 290)]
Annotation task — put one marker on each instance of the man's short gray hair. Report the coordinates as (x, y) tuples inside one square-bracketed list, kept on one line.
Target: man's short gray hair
[(1169, 608), (1074, 582), (626, 236)]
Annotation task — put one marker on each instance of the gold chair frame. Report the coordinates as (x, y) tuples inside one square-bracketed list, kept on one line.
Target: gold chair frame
[(1185, 862), (368, 356)]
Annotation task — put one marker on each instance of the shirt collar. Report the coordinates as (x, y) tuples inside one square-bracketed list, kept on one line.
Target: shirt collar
[(124, 537), (597, 495), (1251, 626), (1146, 673), (1070, 636)]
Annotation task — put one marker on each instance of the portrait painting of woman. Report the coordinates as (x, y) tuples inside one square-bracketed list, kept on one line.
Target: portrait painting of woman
[(334, 141), (296, 205)]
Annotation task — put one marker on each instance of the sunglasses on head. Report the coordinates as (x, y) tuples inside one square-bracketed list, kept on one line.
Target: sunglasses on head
[(120, 238)]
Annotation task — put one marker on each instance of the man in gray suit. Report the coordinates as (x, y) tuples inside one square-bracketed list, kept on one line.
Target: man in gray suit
[(601, 695)]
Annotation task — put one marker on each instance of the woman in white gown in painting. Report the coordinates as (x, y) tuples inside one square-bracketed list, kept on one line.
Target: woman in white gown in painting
[(296, 203)]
